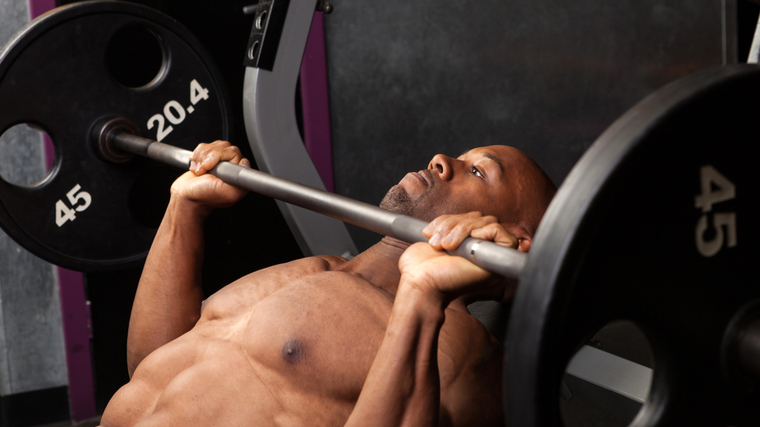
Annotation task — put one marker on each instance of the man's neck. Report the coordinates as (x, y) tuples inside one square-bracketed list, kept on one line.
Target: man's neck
[(379, 264)]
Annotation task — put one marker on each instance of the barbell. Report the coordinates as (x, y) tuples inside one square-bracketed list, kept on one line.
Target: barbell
[(656, 224)]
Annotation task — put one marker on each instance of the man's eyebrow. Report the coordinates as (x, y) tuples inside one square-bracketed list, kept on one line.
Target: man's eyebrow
[(489, 156), (495, 160)]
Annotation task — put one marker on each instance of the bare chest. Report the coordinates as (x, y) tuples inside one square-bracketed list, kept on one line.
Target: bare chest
[(319, 333)]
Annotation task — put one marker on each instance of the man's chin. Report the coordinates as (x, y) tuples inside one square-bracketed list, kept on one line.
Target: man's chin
[(397, 200)]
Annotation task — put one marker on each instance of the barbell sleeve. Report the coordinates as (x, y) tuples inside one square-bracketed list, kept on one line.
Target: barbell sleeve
[(485, 254)]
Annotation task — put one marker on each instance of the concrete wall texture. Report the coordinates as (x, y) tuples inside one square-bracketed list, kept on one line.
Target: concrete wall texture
[(32, 355)]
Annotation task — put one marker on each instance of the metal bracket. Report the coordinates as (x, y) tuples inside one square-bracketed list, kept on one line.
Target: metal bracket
[(266, 32)]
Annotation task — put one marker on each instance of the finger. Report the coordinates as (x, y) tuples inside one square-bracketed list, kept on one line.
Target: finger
[(230, 153), (203, 149), (433, 231), (442, 226), (205, 153), (445, 226), (431, 228), (197, 154), (220, 154), (451, 232), (463, 230), (206, 156), (449, 221), (497, 234)]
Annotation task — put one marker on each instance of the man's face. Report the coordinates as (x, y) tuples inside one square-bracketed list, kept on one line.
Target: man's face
[(485, 179)]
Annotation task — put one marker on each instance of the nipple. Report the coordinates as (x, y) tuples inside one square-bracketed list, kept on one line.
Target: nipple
[(292, 351)]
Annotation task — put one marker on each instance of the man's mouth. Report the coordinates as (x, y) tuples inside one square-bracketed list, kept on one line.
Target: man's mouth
[(424, 177)]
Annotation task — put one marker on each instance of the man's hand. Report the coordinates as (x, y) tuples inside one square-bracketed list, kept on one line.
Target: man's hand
[(206, 190), (448, 231), (426, 268), (403, 387)]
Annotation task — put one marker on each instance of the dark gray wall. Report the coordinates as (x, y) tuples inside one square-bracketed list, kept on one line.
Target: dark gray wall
[(409, 79)]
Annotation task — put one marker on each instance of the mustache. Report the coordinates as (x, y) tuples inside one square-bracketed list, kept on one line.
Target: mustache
[(429, 175)]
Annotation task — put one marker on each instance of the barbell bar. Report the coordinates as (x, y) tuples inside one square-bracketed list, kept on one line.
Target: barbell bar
[(119, 133)]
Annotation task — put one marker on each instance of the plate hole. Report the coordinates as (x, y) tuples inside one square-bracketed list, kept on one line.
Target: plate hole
[(135, 57), (26, 155), (608, 379)]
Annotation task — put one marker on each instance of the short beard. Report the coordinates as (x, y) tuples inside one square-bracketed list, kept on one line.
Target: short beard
[(397, 200)]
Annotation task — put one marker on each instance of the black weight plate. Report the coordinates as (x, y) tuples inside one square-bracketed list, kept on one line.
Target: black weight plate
[(620, 241), (63, 73)]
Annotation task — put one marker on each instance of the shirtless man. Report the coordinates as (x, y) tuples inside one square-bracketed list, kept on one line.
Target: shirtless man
[(381, 339)]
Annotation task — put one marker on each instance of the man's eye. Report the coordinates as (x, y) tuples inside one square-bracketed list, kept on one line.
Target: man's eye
[(475, 171)]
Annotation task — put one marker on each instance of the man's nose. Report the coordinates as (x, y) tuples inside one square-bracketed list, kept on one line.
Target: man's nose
[(443, 165)]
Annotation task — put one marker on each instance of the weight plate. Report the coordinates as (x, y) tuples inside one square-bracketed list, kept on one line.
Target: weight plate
[(88, 61), (647, 228)]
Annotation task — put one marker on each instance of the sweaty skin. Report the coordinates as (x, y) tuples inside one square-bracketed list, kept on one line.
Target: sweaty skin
[(378, 340)]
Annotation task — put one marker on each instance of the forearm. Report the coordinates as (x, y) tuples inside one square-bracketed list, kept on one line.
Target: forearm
[(169, 295), (402, 388)]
